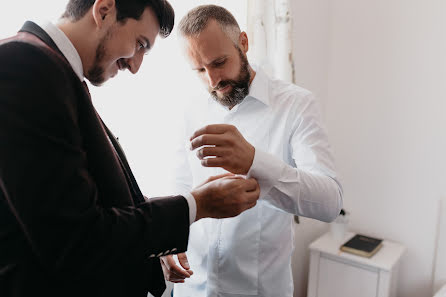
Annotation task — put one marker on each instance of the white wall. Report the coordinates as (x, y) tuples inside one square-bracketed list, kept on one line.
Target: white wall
[(380, 70)]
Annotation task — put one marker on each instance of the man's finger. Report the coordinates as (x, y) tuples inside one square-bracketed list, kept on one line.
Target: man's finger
[(170, 276), (182, 258), (250, 184), (176, 275), (207, 139), (213, 162), (252, 197), (180, 272), (212, 178), (174, 268), (211, 152), (176, 281), (167, 274), (215, 177), (251, 205), (211, 129)]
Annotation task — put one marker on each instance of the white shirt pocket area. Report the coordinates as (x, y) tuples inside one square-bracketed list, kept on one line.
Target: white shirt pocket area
[(234, 255)]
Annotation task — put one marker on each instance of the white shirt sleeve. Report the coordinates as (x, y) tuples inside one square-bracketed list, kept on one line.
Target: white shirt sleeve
[(183, 176), (309, 189), (192, 207)]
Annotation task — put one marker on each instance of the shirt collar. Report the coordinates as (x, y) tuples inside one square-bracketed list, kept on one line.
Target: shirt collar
[(259, 87), (66, 47)]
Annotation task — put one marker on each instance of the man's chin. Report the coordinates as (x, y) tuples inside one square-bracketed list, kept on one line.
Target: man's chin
[(97, 81), (224, 101), (97, 76)]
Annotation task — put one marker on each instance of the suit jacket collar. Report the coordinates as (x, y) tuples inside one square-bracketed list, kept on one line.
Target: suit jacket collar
[(33, 28)]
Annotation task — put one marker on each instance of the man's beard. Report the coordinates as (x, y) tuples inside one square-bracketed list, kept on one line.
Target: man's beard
[(239, 86), (96, 73)]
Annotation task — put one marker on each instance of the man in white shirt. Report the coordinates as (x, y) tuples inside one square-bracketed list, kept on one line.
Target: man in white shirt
[(257, 127)]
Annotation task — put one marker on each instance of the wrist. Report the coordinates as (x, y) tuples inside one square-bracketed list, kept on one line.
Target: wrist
[(198, 201)]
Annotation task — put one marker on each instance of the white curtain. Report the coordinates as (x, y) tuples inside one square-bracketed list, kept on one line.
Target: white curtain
[(270, 32)]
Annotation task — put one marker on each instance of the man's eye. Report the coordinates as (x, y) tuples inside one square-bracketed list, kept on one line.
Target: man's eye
[(140, 45), (219, 63)]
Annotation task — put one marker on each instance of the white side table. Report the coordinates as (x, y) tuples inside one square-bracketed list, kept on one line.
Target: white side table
[(338, 274)]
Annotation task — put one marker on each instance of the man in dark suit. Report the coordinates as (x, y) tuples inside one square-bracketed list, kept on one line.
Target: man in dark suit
[(73, 221)]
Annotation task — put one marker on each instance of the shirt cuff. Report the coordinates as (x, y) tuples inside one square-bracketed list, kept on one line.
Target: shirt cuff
[(266, 169), (192, 207)]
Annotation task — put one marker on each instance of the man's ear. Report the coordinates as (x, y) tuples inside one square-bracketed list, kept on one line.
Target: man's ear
[(103, 11), (243, 42)]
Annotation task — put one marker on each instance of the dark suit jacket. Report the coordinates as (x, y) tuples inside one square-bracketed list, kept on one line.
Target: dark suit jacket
[(73, 221)]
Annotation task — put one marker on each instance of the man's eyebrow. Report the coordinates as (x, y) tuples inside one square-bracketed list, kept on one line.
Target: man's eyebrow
[(218, 59), (214, 61)]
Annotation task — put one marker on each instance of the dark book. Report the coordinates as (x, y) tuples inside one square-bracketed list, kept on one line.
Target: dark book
[(362, 245)]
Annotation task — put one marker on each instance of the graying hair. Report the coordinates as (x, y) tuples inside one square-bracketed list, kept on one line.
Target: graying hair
[(196, 20)]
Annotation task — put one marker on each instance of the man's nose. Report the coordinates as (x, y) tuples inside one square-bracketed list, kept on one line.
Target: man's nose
[(134, 63), (213, 78)]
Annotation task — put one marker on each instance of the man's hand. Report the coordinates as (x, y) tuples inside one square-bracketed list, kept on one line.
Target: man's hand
[(223, 146), (173, 272), (225, 196)]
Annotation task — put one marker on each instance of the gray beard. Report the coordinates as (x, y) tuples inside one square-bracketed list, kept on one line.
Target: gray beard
[(240, 86), (236, 96)]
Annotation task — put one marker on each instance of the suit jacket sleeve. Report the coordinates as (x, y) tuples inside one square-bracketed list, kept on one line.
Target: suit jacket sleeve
[(44, 167)]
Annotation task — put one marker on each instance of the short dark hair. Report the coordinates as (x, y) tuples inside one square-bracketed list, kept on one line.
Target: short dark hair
[(197, 19), (76, 9)]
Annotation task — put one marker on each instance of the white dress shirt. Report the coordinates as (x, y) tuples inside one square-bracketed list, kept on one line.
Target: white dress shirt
[(69, 51), (65, 46), (250, 255)]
